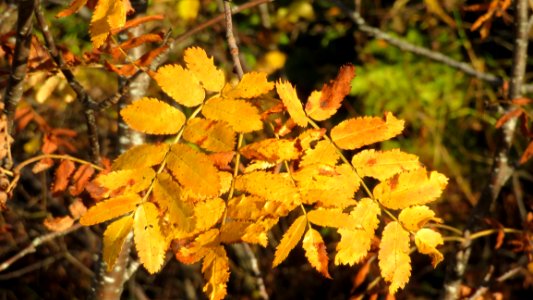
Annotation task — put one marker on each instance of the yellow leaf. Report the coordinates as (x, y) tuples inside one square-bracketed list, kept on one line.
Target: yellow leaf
[(121, 181), (394, 260), (195, 251), (353, 246), (114, 237), (410, 188), (318, 182), (257, 233), (232, 231), (108, 15), (290, 240), (194, 171), (188, 9), (252, 85), (180, 84), (310, 136), (109, 209), (358, 132), (152, 116), (204, 69), (208, 213), (315, 251), (150, 243), (322, 153), (167, 193), (290, 99), (226, 178), (141, 156), (272, 187), (216, 272), (271, 150), (415, 217), (331, 218), (215, 136), (383, 164), (426, 241), (241, 115), (355, 242), (322, 105)]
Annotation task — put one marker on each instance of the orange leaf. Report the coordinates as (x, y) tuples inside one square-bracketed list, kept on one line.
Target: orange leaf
[(272, 187), (315, 251), (241, 115), (180, 84), (141, 156), (321, 106), (290, 240), (194, 170), (59, 223), (215, 136), (383, 164), (290, 99), (149, 241), (114, 237), (208, 213), (410, 188), (73, 7), (515, 113), (527, 153), (108, 15), (152, 116), (111, 208), (119, 182), (358, 132), (80, 179), (271, 150), (204, 69), (136, 22), (252, 85), (331, 218), (324, 152), (394, 260), (63, 172)]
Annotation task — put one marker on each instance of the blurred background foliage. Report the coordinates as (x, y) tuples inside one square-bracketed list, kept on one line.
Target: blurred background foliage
[(450, 116)]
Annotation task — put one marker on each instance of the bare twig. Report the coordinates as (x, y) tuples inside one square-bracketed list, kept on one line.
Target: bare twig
[(19, 65), (31, 268), (32, 247), (232, 43)]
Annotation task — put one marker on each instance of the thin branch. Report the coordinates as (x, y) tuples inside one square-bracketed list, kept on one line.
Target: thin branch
[(19, 65), (232, 43), (32, 247)]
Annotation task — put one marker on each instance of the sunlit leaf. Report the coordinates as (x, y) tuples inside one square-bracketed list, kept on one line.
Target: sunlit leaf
[(215, 136), (208, 213), (241, 115), (426, 241), (271, 150), (141, 156), (152, 116), (149, 241), (331, 218), (383, 164), (290, 240), (114, 237), (121, 181), (290, 99), (394, 260), (358, 132), (415, 217), (204, 69), (252, 85), (108, 15), (111, 208), (273, 187), (315, 251), (216, 272), (322, 153), (181, 85)]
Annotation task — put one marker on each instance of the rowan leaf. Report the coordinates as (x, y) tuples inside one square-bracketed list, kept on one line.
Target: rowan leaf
[(366, 213), (166, 194), (80, 179), (208, 213), (152, 116), (215, 136), (271, 150), (272, 187), (180, 84), (252, 85), (216, 272), (383, 164), (358, 132), (393, 256), (331, 218), (315, 251), (111, 208), (194, 171), (58, 223), (198, 249), (204, 69), (108, 15), (322, 105), (290, 240), (415, 217), (426, 241), (322, 153), (241, 115), (141, 156), (114, 237), (73, 7), (121, 181), (410, 188), (257, 233), (149, 241), (290, 99), (63, 173)]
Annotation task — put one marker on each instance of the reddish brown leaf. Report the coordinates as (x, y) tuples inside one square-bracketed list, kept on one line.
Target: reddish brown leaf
[(63, 172), (136, 22), (522, 101), (42, 165), (77, 208), (527, 153), (80, 179), (360, 276), (73, 7), (508, 116), (135, 42), (58, 223)]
